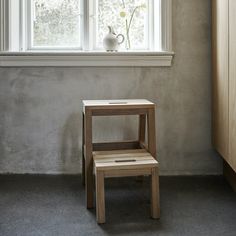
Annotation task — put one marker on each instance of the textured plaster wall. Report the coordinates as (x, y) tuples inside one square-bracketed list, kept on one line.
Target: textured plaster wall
[(40, 121)]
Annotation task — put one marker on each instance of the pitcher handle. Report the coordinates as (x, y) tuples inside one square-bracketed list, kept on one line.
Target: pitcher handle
[(122, 40)]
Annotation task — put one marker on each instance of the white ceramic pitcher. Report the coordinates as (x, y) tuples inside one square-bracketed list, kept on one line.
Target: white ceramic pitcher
[(111, 42)]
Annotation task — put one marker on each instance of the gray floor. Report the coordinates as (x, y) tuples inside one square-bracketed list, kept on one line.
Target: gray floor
[(44, 205)]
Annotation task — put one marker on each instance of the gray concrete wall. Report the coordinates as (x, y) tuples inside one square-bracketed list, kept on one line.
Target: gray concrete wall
[(40, 121)]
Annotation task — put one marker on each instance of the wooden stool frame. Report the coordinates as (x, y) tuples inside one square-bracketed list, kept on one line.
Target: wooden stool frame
[(125, 163), (146, 112)]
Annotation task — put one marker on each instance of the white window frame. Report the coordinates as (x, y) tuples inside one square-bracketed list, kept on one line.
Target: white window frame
[(4, 25), (18, 53)]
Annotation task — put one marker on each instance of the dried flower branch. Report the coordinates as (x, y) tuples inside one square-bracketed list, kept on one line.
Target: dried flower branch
[(129, 20)]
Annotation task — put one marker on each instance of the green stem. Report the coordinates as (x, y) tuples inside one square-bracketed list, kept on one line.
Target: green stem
[(127, 35), (129, 25), (132, 16)]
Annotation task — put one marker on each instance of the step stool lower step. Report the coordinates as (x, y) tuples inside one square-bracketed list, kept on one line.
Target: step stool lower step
[(123, 163)]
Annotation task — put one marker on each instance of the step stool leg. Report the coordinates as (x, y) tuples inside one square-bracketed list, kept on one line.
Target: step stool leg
[(155, 198), (83, 161), (83, 170), (100, 197), (142, 128), (151, 132), (89, 180)]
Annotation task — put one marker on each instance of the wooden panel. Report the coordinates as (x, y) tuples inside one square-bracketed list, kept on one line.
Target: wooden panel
[(232, 85), (220, 76)]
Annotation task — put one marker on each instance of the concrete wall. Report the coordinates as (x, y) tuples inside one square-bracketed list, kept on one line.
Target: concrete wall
[(40, 121)]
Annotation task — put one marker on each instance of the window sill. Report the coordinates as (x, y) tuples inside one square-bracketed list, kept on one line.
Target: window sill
[(86, 59)]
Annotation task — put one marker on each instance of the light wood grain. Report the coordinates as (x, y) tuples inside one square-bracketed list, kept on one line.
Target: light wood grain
[(118, 107), (220, 49), (119, 111), (224, 83), (117, 152), (123, 163), (142, 129), (123, 160), (89, 185), (151, 132), (126, 173), (134, 158), (115, 103), (83, 151), (100, 197), (126, 165), (155, 198), (232, 85)]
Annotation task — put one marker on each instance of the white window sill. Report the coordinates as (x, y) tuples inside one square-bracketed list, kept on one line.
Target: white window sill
[(86, 59)]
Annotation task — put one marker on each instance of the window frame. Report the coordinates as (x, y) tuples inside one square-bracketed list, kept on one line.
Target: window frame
[(162, 54)]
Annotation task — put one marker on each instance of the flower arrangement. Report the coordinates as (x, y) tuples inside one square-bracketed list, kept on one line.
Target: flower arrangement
[(129, 16)]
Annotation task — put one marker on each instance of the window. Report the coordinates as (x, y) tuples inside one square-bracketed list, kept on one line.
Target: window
[(54, 24), (80, 25), (125, 16)]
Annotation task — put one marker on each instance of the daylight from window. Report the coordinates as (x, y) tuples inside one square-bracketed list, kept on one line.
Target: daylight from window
[(128, 17), (56, 23), (59, 23)]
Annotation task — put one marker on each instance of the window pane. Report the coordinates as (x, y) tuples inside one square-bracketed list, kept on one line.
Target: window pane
[(56, 23), (124, 16)]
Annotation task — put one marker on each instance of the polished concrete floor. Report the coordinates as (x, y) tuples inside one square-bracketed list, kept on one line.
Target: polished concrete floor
[(55, 205)]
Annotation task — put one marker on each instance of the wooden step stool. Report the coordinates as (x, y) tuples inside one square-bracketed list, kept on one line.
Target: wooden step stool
[(123, 163), (117, 159)]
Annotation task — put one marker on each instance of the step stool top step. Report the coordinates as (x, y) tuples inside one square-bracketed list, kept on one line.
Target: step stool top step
[(123, 102), (124, 159)]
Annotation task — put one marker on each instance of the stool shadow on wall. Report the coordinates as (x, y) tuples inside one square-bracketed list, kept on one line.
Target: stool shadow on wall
[(71, 145)]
